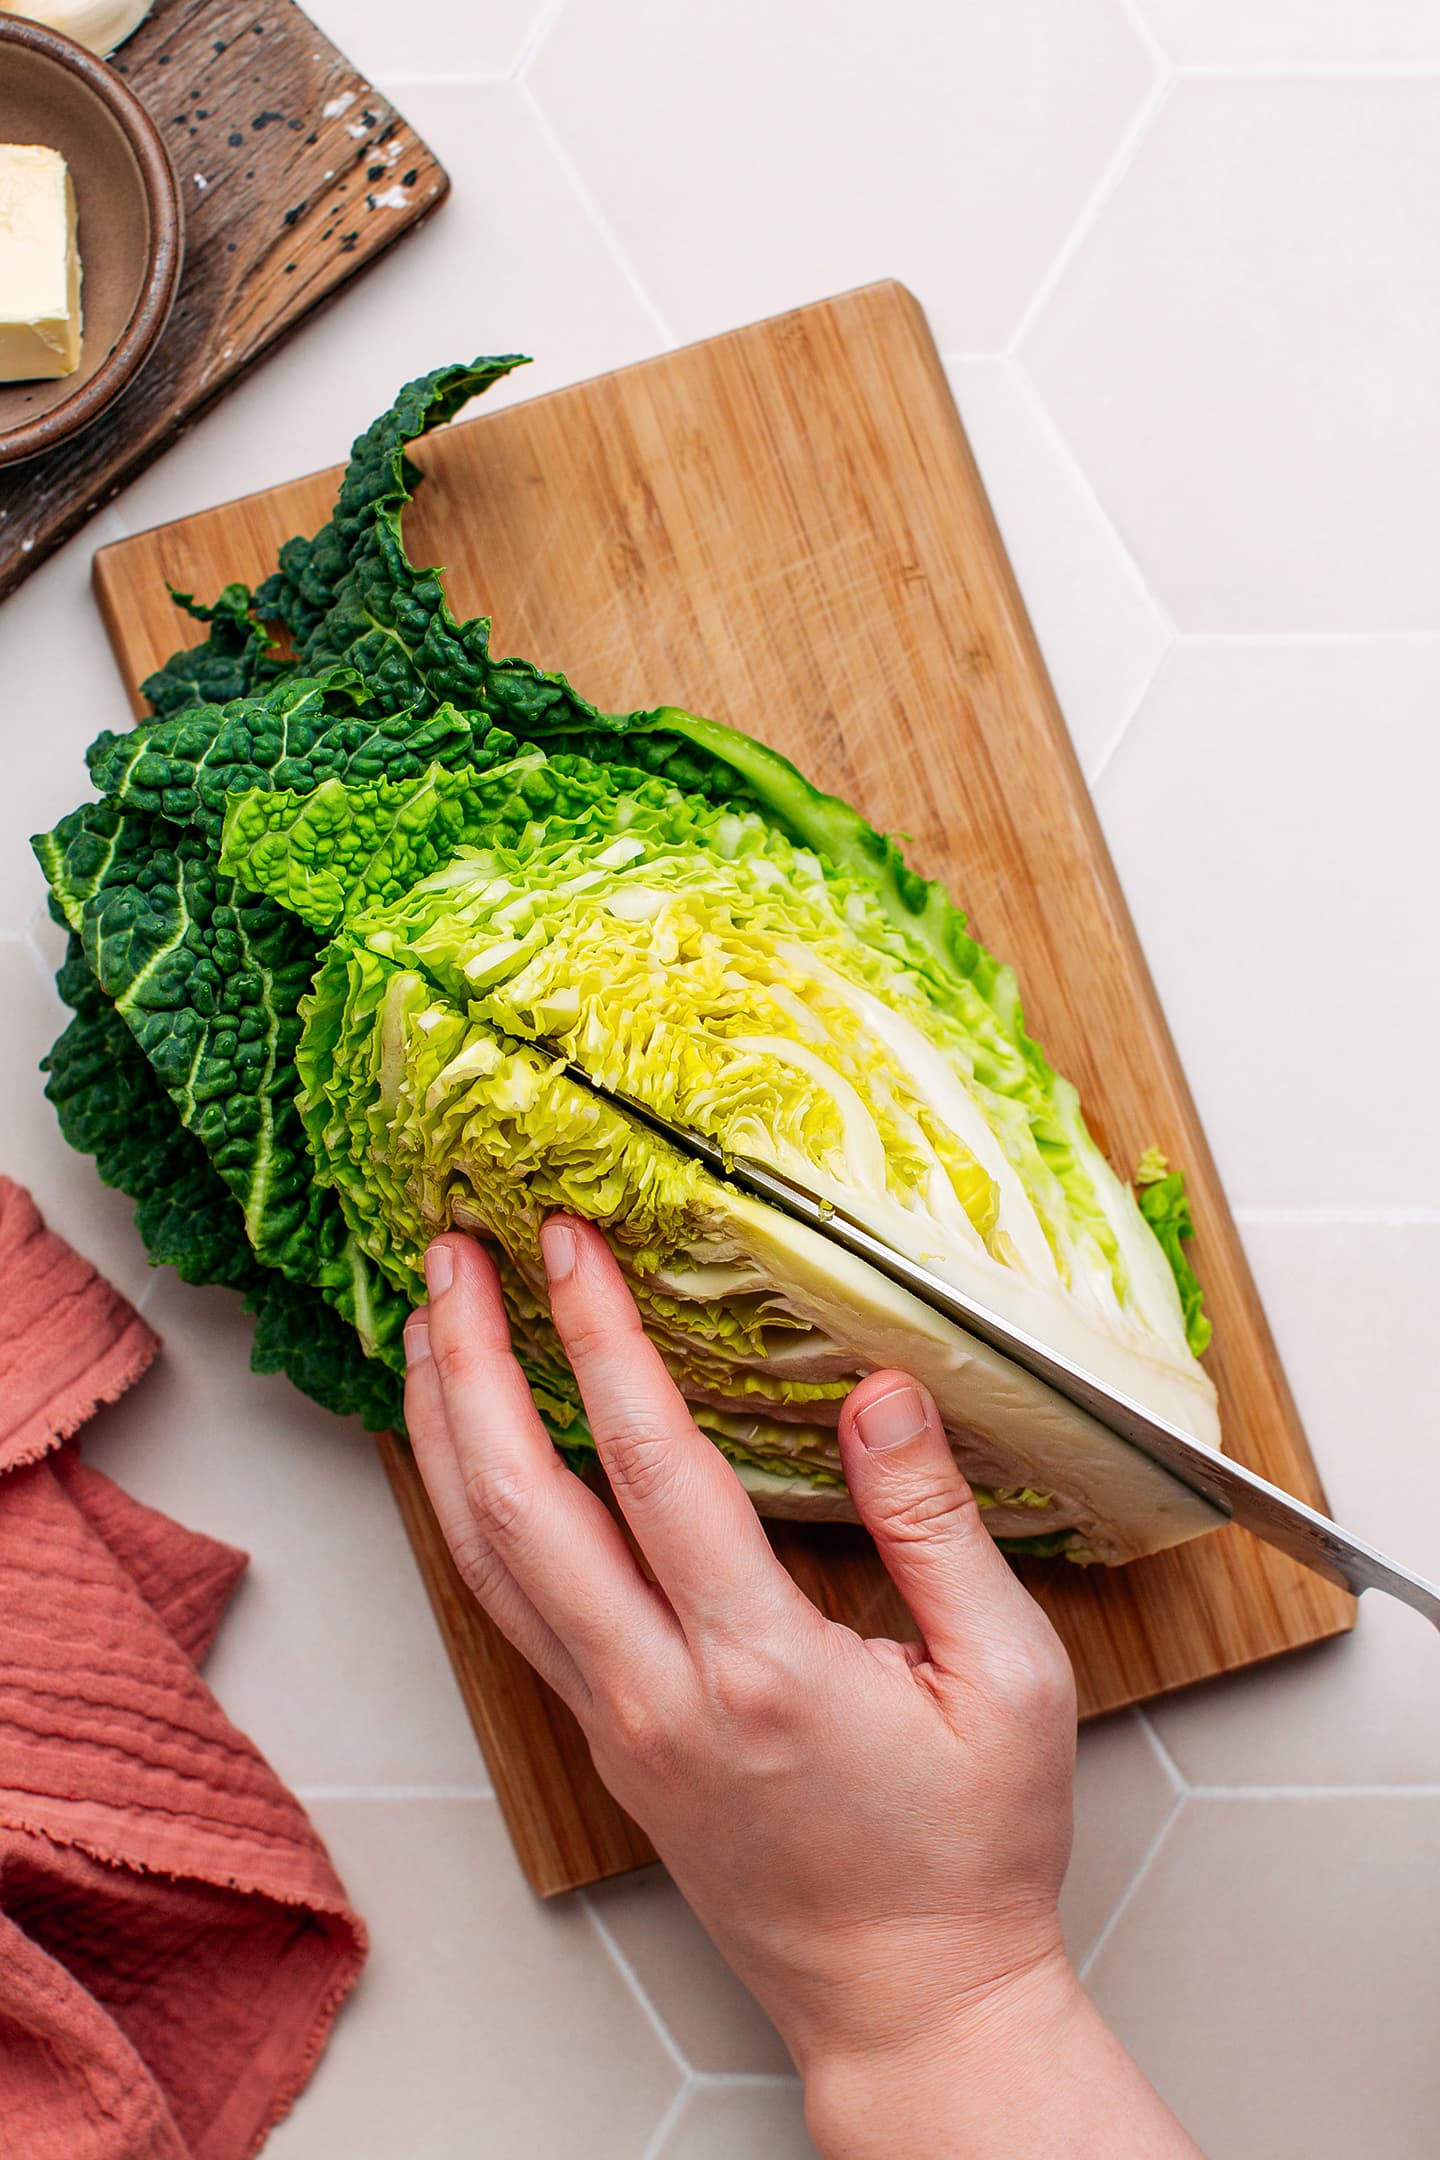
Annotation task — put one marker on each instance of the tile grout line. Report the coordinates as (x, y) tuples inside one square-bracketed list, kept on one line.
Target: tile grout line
[(1060, 443), (1179, 1783), (1116, 167), (529, 52), (1147, 1860), (461, 79), (1139, 22), (606, 232), (1091, 210), (1308, 70), (1110, 749), (1314, 1792), (1064, 449), (1070, 457), (637, 1988), (30, 940), (1298, 640), (37, 959), (750, 2080), (659, 2137)]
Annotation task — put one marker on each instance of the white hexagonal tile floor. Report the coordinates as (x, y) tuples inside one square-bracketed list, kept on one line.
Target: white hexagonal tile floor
[(1321, 33), (1243, 351), (1100, 631), (724, 2122), (1125, 1795), (1353, 1307), (485, 2022), (64, 707), (807, 148), (713, 2020), (1271, 811), (441, 39), (1274, 1975)]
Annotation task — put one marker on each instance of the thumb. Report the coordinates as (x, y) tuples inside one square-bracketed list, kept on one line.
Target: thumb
[(916, 1504)]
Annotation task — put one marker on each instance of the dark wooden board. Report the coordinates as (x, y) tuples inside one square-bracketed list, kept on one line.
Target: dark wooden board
[(784, 527), (286, 137)]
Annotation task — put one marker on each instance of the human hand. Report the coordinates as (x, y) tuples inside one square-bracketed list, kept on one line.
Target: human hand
[(875, 1833)]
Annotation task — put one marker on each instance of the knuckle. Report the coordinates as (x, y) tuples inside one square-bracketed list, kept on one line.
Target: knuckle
[(589, 1336), (638, 1459), (585, 1340), (501, 1504), (1036, 1679), (747, 1691), (635, 1731), (454, 1360), (481, 1569), (924, 1515)]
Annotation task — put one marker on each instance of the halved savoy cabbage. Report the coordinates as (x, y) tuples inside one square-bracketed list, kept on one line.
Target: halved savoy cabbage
[(341, 913)]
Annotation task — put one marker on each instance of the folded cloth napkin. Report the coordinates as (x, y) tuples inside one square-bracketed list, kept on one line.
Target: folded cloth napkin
[(173, 1940)]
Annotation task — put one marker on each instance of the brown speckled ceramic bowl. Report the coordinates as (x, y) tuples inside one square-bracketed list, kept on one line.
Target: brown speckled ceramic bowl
[(131, 238)]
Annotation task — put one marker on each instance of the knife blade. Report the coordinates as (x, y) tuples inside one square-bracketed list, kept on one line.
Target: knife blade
[(1236, 1491)]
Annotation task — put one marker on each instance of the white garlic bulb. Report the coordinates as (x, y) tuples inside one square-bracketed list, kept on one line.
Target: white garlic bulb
[(99, 24)]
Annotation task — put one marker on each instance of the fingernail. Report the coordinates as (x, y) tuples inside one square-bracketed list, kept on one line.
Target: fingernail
[(890, 1420), (417, 1342), (439, 1269), (557, 1243)]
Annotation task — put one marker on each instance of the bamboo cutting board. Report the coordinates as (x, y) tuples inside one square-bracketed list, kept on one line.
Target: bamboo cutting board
[(784, 528)]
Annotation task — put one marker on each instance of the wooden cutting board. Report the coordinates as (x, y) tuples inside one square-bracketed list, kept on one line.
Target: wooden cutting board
[(294, 175), (785, 528)]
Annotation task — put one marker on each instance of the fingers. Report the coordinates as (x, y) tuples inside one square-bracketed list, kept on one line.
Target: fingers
[(485, 1574), (552, 1536), (679, 1495), (924, 1520)]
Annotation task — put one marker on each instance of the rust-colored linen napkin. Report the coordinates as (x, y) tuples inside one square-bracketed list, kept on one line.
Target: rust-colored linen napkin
[(173, 1940)]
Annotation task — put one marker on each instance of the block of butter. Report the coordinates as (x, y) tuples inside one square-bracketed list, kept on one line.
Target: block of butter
[(39, 265)]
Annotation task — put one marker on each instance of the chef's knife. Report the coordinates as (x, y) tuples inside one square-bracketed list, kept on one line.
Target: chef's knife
[(1239, 1493)]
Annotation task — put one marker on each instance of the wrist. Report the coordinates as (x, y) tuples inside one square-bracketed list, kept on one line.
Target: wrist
[(951, 2081)]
